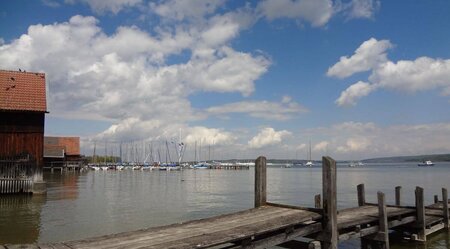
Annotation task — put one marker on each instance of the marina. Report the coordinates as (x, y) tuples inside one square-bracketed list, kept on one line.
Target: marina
[(278, 223)]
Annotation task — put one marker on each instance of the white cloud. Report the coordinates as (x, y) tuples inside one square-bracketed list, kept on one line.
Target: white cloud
[(370, 54), (423, 73), (317, 12), (285, 110), (208, 136), (364, 8), (267, 136), (358, 8), (183, 9), (113, 6), (321, 146), (124, 78), (51, 3), (352, 140), (354, 92)]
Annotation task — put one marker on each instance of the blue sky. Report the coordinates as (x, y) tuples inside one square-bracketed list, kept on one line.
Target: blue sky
[(359, 78)]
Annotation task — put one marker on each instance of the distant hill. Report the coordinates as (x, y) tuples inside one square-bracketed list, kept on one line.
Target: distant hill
[(420, 158)]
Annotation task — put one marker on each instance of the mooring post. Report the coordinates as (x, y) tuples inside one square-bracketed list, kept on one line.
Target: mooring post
[(383, 221), (445, 207), (398, 191), (420, 214), (329, 224), (260, 182), (361, 195), (317, 202), (436, 199)]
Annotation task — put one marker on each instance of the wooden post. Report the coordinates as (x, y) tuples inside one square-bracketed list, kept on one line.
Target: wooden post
[(398, 190), (361, 195), (383, 222), (260, 182), (317, 202), (329, 224), (420, 215), (445, 207)]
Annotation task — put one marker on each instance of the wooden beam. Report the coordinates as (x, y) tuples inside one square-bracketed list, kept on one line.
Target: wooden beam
[(383, 222), (317, 201), (445, 208), (398, 190), (260, 181), (420, 214), (329, 224), (436, 199), (361, 195)]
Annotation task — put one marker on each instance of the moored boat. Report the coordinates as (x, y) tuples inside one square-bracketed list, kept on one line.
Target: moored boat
[(426, 163)]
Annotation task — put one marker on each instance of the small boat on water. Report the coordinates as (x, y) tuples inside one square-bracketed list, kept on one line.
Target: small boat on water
[(426, 163)]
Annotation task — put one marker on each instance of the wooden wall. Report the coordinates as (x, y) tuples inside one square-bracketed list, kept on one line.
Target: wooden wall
[(22, 132)]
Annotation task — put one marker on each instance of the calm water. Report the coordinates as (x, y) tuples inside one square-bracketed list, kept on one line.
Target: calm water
[(97, 203)]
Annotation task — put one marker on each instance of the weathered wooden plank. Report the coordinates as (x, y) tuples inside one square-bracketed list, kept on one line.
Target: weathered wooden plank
[(283, 237), (330, 225), (216, 231), (367, 214), (315, 210), (260, 181), (219, 236), (190, 228), (434, 228), (361, 195)]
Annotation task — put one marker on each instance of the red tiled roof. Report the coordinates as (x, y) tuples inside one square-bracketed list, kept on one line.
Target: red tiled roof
[(71, 145), (22, 91)]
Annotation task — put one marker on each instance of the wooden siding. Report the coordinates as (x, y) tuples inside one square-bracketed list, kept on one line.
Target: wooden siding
[(22, 132)]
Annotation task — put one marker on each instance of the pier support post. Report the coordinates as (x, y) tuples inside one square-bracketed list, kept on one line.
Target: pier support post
[(361, 195), (398, 196), (317, 201), (260, 182), (420, 215), (445, 208), (383, 221), (329, 224), (436, 199)]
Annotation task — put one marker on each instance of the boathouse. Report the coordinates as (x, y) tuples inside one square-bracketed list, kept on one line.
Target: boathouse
[(23, 106), (62, 152)]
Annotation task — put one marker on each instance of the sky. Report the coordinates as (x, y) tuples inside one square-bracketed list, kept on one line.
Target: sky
[(237, 79)]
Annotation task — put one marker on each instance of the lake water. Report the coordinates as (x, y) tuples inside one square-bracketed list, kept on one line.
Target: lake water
[(81, 205)]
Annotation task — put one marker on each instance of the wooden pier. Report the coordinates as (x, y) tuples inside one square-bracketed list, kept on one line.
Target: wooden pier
[(67, 166), (269, 224)]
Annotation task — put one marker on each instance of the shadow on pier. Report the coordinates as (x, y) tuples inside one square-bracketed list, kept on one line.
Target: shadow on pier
[(270, 224)]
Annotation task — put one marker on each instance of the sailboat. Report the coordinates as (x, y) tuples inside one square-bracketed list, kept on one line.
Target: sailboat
[(309, 163)]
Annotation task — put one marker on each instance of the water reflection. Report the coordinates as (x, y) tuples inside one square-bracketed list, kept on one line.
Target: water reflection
[(20, 218)]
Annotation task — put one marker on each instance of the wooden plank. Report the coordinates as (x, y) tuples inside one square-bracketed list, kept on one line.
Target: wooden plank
[(434, 228), (398, 190), (212, 238), (420, 214), (260, 181), (190, 228), (315, 210), (361, 195), (368, 214), (445, 208), (374, 229), (213, 232), (330, 227), (283, 237)]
